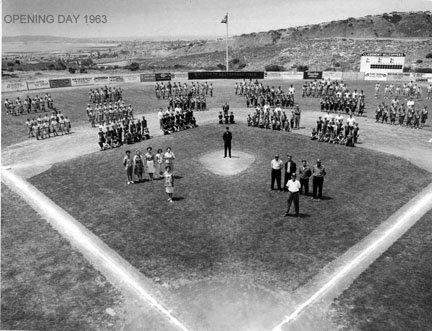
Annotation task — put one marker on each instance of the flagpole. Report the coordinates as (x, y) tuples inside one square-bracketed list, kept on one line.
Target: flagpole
[(226, 55)]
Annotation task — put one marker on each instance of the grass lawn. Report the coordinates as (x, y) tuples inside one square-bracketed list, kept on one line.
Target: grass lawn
[(232, 226), (45, 284), (73, 102), (395, 293)]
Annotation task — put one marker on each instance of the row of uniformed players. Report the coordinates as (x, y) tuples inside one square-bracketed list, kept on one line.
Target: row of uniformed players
[(398, 113), (128, 131), (105, 94), (174, 120), (257, 95), (108, 112), (178, 89), (333, 130), (411, 89), (347, 103), (188, 102), (275, 118), (29, 105), (46, 126)]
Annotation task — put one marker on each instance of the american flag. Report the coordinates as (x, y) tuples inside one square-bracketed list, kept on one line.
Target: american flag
[(225, 19)]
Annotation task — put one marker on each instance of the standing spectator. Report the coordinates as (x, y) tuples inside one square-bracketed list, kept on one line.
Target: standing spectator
[(318, 173), (276, 172), (138, 166), (227, 137), (150, 163), (127, 162), (290, 168), (305, 172), (169, 158), (293, 186), (158, 163), (169, 182), (297, 113)]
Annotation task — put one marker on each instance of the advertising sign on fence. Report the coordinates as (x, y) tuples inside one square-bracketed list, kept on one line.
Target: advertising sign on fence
[(135, 78), (162, 76), (60, 82), (375, 76), (292, 75), (116, 79), (82, 81), (273, 75), (147, 77), (226, 75), (312, 75), (101, 79), (399, 77), (14, 86), (38, 84), (332, 75)]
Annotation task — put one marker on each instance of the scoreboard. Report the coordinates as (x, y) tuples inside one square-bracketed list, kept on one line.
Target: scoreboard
[(382, 62)]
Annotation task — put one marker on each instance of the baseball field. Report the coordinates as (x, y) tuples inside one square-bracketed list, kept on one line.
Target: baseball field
[(222, 256)]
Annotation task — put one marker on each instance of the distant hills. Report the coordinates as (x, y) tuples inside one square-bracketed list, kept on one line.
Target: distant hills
[(335, 45)]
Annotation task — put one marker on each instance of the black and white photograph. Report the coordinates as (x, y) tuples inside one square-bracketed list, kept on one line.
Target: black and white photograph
[(204, 165)]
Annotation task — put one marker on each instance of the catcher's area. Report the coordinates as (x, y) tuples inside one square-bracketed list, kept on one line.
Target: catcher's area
[(217, 164)]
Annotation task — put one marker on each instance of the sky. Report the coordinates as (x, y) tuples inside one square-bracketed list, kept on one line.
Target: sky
[(187, 18)]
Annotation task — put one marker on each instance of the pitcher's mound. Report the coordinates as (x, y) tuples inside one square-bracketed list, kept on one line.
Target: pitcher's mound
[(216, 163)]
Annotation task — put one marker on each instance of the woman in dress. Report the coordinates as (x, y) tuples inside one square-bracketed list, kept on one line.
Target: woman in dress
[(150, 162), (169, 183), (127, 163), (169, 158), (158, 163), (138, 166)]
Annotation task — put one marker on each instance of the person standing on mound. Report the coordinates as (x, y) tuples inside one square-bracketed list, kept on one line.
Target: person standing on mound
[(169, 183), (227, 137)]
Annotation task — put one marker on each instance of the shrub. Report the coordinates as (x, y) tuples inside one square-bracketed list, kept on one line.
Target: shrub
[(72, 70), (419, 61), (424, 70), (428, 56), (406, 69), (10, 64), (134, 66), (274, 67), (302, 68)]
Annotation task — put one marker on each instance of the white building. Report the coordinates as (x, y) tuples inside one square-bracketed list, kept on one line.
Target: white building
[(382, 62)]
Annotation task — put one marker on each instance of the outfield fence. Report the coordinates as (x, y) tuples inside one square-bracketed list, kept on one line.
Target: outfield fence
[(91, 80)]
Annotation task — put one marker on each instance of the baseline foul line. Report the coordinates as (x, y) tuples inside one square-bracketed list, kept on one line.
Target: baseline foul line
[(415, 211), (87, 243)]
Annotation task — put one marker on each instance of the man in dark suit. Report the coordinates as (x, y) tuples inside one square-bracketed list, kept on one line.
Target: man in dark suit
[(290, 168), (227, 137)]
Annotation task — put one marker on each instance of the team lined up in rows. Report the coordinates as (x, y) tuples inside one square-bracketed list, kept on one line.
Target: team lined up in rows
[(332, 129), (175, 120), (177, 89), (408, 90), (105, 94), (126, 131), (108, 112), (399, 113), (29, 105), (46, 126), (275, 118), (257, 95)]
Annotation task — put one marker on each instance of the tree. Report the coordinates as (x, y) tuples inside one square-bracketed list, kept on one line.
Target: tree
[(274, 67), (134, 66), (72, 70), (302, 68)]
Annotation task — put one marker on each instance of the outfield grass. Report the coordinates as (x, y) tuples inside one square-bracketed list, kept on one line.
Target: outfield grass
[(73, 102), (45, 284), (395, 293), (234, 226)]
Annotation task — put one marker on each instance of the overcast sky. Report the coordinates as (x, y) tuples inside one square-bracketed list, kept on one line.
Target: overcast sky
[(180, 18)]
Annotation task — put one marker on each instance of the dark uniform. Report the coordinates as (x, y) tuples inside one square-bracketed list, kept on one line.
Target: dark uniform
[(227, 137)]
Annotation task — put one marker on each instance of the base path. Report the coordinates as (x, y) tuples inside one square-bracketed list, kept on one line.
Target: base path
[(118, 271), (314, 298)]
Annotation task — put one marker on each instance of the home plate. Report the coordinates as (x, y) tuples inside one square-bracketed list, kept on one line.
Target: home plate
[(216, 163)]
